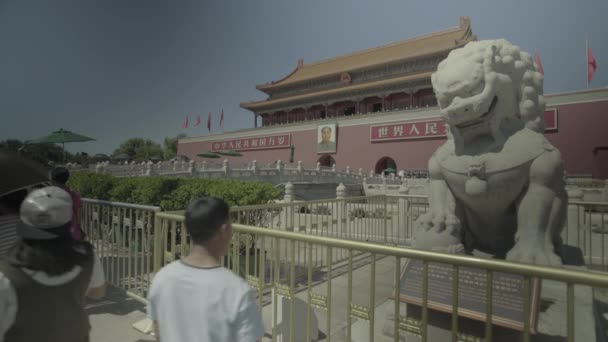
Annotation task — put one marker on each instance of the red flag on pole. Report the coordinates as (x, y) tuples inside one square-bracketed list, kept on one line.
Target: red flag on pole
[(198, 121), (185, 124), (222, 119), (209, 122), (539, 65), (591, 65)]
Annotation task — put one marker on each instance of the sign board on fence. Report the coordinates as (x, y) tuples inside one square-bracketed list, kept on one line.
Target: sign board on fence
[(507, 293)]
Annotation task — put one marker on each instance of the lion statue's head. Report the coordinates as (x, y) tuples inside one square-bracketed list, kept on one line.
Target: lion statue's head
[(489, 89)]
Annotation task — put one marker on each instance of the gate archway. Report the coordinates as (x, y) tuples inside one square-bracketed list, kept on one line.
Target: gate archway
[(385, 163), (326, 161)]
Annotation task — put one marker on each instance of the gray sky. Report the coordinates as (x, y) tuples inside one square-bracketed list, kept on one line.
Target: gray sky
[(117, 69)]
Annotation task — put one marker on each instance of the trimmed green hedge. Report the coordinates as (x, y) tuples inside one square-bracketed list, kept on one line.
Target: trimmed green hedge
[(168, 192)]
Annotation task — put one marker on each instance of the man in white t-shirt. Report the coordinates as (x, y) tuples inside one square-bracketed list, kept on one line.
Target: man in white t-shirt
[(195, 298)]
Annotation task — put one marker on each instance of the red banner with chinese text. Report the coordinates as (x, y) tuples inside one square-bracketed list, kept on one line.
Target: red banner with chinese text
[(253, 143), (431, 128)]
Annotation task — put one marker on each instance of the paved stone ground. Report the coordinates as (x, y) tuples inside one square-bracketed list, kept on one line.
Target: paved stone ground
[(112, 318)]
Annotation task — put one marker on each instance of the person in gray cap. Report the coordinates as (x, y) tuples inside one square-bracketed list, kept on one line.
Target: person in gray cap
[(48, 274)]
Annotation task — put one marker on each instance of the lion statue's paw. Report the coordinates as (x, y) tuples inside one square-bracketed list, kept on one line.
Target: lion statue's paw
[(440, 234)]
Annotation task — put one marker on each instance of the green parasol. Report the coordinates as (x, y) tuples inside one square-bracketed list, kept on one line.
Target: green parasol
[(208, 154), (231, 153), (389, 170), (61, 136)]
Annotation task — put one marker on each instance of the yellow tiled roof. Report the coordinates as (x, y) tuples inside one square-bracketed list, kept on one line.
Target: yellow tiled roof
[(258, 104), (407, 49)]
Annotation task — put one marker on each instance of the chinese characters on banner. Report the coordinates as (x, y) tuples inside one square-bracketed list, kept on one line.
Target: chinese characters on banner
[(254, 143), (433, 128), (408, 130)]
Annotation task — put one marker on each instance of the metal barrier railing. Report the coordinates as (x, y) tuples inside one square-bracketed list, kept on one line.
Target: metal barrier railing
[(587, 228), (122, 235), (283, 267)]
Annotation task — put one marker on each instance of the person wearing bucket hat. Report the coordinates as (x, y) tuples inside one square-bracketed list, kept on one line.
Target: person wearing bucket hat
[(48, 274)]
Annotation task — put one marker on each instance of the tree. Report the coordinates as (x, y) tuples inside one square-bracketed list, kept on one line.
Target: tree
[(170, 146), (139, 149), (42, 153)]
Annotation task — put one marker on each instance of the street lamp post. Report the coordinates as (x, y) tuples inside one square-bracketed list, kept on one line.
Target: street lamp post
[(291, 152)]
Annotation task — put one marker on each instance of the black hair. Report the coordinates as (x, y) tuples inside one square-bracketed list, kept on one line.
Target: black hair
[(60, 175), (11, 203), (54, 257), (204, 217)]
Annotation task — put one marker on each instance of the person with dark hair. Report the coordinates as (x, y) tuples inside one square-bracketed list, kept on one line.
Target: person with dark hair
[(9, 218), (195, 298), (59, 177), (48, 274)]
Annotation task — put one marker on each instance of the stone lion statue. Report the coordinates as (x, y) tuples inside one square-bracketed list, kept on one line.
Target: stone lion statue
[(496, 184)]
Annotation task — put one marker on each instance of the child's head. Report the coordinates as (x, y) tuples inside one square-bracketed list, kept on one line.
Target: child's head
[(60, 176), (208, 220)]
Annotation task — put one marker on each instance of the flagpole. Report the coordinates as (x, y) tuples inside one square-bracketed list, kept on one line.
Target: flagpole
[(587, 58)]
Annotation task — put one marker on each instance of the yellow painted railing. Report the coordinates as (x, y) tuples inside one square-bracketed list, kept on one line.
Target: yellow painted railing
[(341, 258), (281, 265), (122, 235)]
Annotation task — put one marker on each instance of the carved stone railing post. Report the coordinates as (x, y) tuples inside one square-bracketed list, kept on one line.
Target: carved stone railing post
[(300, 167), (404, 207), (280, 166), (384, 188), (289, 192), (149, 168), (255, 170), (289, 210), (204, 165), (98, 168), (360, 172), (191, 168), (341, 208), (348, 170), (226, 167), (333, 168)]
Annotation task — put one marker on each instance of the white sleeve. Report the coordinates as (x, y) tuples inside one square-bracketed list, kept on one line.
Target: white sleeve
[(98, 278), (8, 305), (249, 325)]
